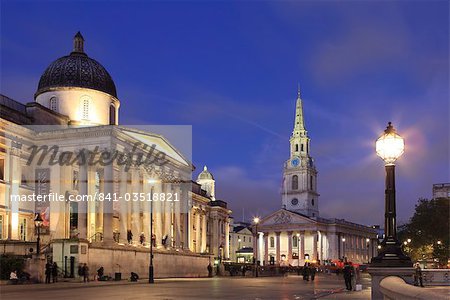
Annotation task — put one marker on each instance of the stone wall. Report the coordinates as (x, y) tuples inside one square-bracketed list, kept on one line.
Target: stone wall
[(166, 263)]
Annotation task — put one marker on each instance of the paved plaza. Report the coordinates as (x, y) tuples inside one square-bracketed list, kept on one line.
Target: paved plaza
[(290, 287)]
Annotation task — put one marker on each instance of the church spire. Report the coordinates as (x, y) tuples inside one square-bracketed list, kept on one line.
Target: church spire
[(299, 124), (78, 43)]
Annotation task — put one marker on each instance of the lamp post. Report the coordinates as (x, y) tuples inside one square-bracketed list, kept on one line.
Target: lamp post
[(38, 223), (343, 249), (368, 249), (256, 221), (151, 276), (389, 147)]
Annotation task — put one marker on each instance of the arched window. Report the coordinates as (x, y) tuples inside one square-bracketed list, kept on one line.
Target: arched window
[(295, 182), (272, 242), (302, 148), (311, 183), (112, 115), (85, 101), (312, 202), (54, 103), (296, 147), (294, 241)]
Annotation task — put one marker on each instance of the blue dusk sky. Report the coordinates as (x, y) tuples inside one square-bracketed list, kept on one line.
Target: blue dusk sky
[(230, 69)]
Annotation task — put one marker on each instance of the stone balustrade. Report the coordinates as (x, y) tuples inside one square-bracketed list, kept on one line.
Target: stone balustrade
[(394, 287)]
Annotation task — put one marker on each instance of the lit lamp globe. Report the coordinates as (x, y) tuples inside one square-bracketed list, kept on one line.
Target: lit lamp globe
[(390, 145)]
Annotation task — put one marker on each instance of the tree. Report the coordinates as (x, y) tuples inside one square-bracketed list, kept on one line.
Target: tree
[(428, 230)]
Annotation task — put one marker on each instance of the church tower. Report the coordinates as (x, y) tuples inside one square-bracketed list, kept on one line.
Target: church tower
[(299, 192)]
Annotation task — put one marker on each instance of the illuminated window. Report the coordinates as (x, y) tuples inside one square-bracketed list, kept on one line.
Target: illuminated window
[(54, 103), (294, 241), (295, 182), (85, 108), (23, 229), (272, 242), (2, 169)]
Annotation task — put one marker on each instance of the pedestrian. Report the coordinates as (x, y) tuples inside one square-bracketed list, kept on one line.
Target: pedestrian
[(55, 272), (418, 280), (13, 277), (348, 276), (142, 238), (354, 277), (129, 236), (85, 273), (210, 270), (48, 272), (312, 272), (305, 272)]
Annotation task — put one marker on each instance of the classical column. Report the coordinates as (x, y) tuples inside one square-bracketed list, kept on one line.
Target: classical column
[(123, 207), (135, 228), (15, 175), (315, 245), (197, 231), (167, 216), (186, 218), (302, 246), (146, 190), (321, 247), (266, 248), (82, 205), (289, 258), (227, 240), (108, 204), (277, 255), (203, 242), (177, 223), (158, 214)]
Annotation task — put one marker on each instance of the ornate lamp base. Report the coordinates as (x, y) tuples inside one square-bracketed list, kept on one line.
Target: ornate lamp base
[(391, 256)]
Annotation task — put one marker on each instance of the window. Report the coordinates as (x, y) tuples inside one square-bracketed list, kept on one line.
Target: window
[(2, 169), (302, 148), (310, 182), (23, 229), (75, 180), (294, 241), (54, 103), (1, 227), (296, 147), (244, 238), (250, 239), (272, 242), (112, 115), (312, 202), (295, 182), (85, 108)]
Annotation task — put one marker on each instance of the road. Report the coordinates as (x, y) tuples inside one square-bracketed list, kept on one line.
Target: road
[(291, 287)]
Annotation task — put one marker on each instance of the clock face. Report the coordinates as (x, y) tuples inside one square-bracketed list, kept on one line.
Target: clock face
[(295, 162), (294, 201)]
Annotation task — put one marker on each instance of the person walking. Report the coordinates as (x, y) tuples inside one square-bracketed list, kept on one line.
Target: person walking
[(129, 236), (48, 272), (55, 272), (305, 272), (312, 272), (85, 273), (348, 276), (418, 275)]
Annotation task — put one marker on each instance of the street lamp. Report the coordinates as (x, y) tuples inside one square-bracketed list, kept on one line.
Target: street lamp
[(343, 248), (389, 147), (151, 276), (368, 249), (38, 223), (256, 221)]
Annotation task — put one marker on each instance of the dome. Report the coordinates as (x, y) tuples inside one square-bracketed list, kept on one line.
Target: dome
[(77, 70), (205, 174)]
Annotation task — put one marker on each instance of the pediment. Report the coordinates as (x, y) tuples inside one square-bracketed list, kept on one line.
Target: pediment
[(284, 216)]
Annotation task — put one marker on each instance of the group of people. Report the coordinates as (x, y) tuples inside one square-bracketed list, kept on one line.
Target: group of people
[(83, 271), (51, 272), (309, 270)]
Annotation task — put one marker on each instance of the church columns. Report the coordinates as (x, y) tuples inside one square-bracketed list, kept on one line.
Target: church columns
[(167, 217), (177, 204), (266, 248), (278, 257), (302, 245), (146, 189), (158, 215), (135, 228), (203, 235), (315, 238), (197, 231), (289, 256), (227, 240)]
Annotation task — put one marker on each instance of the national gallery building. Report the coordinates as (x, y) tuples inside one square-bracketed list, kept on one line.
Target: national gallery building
[(105, 192), (296, 233)]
